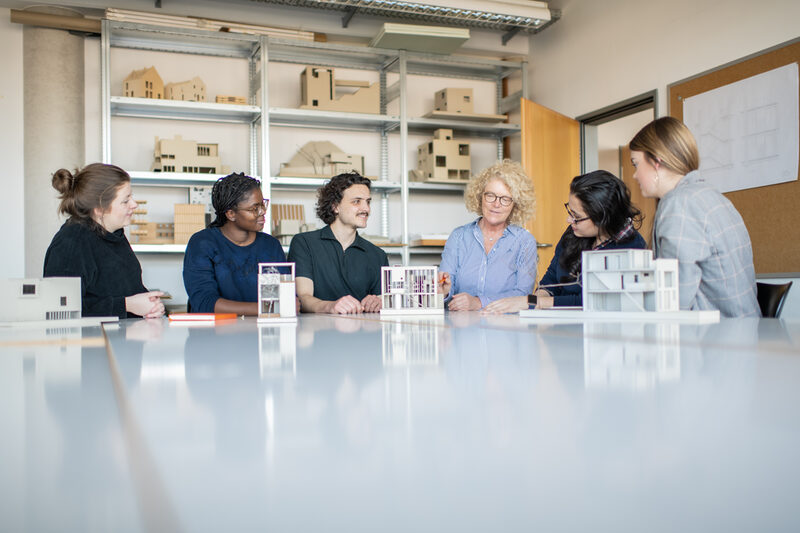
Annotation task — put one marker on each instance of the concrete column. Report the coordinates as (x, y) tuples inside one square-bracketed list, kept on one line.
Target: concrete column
[(54, 127)]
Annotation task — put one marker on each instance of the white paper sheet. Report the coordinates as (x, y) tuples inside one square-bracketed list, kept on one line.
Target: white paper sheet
[(747, 132)]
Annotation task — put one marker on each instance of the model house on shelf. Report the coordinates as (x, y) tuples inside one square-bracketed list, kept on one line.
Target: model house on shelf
[(458, 104), (189, 219), (276, 293), (407, 290), (144, 232), (143, 83), (443, 159), (287, 221), (321, 90), (179, 155), (321, 159), (193, 90)]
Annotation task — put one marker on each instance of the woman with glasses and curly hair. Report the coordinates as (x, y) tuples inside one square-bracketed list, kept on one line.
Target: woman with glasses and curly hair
[(492, 257), (600, 217), (694, 223), (220, 267), (92, 245)]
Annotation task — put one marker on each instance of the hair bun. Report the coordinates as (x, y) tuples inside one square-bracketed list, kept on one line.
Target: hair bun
[(63, 181)]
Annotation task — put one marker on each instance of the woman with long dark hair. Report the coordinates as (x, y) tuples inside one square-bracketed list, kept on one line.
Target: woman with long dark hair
[(601, 217), (220, 267), (92, 245)]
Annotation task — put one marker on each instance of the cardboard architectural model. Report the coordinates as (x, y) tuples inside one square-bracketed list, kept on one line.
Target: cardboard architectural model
[(287, 221), (144, 232), (193, 90), (321, 90), (629, 280), (143, 83), (410, 290), (189, 219), (321, 159), (224, 99), (458, 104), (443, 159), (276, 292), (179, 155)]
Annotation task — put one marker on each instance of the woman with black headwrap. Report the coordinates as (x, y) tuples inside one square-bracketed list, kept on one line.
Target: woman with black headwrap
[(221, 262)]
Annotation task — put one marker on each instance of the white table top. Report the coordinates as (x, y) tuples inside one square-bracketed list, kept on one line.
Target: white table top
[(462, 423)]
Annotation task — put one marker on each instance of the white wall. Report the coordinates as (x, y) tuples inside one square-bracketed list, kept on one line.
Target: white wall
[(12, 170)]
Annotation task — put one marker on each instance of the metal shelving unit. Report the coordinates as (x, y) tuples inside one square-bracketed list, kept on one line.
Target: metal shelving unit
[(260, 51)]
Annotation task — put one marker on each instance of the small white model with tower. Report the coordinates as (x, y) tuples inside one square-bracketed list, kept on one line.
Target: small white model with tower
[(276, 293), (410, 290)]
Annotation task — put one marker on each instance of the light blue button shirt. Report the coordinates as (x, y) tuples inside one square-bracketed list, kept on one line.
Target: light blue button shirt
[(509, 269)]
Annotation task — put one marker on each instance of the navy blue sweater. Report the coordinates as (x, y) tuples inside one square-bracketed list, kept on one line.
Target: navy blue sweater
[(214, 268)]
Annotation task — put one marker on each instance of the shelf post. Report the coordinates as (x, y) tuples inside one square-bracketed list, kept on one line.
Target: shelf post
[(105, 89), (403, 67)]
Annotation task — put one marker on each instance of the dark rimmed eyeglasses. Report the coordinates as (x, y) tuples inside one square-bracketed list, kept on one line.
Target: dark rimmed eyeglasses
[(575, 219), (491, 197), (257, 209)]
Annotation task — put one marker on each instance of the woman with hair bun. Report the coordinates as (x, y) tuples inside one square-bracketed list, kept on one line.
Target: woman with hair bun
[(220, 267), (92, 245), (601, 217), (694, 223)]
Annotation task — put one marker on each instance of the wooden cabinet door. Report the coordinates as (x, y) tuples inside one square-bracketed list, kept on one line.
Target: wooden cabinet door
[(551, 157)]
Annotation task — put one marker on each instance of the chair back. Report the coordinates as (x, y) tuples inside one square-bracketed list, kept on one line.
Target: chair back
[(771, 298)]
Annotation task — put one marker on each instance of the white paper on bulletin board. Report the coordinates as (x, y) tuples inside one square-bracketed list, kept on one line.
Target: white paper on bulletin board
[(747, 131)]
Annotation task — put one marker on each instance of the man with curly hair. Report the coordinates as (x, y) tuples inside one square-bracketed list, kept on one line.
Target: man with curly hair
[(337, 270)]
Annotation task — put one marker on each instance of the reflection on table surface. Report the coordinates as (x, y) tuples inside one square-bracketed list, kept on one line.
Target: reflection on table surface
[(461, 422)]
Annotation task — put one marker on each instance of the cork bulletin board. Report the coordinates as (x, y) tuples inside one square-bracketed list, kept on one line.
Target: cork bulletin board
[(771, 213)]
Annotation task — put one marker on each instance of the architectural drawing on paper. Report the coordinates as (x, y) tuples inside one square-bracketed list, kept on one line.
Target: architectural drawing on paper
[(193, 90), (143, 83), (179, 155), (410, 290), (629, 280), (443, 159), (321, 159), (321, 90)]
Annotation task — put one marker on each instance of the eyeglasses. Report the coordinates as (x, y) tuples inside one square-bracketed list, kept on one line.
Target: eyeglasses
[(256, 210), (491, 197), (573, 216)]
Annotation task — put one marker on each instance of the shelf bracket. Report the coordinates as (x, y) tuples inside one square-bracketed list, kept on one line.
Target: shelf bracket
[(349, 12), (507, 36), (510, 102)]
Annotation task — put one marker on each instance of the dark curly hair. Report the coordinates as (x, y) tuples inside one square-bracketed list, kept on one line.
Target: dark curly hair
[(330, 195), (93, 186), (228, 192), (606, 201)]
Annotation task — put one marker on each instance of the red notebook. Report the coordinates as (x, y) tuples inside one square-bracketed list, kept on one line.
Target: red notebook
[(191, 317)]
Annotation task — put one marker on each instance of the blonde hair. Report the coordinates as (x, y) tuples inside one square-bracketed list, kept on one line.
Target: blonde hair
[(512, 174), (668, 141)]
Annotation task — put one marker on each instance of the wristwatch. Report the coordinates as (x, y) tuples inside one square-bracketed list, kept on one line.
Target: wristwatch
[(531, 301)]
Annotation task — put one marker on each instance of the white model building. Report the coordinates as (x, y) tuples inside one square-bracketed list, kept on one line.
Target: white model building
[(629, 280), (410, 290), (40, 299), (276, 293), (179, 155)]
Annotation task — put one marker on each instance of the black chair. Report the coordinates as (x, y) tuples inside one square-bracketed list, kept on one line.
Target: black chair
[(771, 298)]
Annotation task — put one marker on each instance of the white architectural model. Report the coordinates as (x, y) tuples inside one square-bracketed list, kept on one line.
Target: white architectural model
[(40, 299), (629, 280), (276, 293), (410, 290), (627, 285)]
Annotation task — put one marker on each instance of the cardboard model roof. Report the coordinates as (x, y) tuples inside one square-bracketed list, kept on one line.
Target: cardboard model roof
[(197, 81), (143, 72)]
